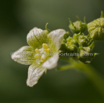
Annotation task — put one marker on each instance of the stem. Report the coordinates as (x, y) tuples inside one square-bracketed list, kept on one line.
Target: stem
[(65, 67), (89, 71), (92, 75)]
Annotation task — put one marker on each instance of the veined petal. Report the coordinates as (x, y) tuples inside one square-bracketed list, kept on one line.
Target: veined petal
[(36, 37), (51, 62), (34, 73), (55, 39), (24, 55)]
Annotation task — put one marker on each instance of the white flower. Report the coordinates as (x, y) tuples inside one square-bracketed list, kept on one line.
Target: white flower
[(41, 54)]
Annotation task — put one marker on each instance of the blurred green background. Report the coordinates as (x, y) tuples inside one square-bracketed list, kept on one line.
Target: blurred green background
[(17, 17)]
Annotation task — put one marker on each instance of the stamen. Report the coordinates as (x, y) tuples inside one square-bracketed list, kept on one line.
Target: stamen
[(47, 50), (43, 60), (43, 56), (37, 56), (45, 46), (43, 53), (37, 51)]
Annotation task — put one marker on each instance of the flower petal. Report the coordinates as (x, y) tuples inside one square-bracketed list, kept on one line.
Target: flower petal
[(34, 73), (24, 55), (55, 39), (51, 62), (36, 37)]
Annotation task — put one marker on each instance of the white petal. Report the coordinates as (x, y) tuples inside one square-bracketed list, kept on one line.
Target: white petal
[(36, 37), (24, 55), (55, 38), (51, 62), (34, 73)]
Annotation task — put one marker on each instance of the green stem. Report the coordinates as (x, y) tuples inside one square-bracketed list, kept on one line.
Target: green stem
[(65, 67), (90, 73)]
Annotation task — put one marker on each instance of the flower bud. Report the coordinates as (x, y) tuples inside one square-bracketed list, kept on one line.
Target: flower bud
[(77, 26), (75, 36), (96, 29), (66, 35), (83, 40), (85, 55), (72, 44), (71, 41), (72, 48)]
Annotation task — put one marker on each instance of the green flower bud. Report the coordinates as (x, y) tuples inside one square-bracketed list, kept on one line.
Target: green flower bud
[(83, 40), (66, 35), (75, 36), (72, 48), (74, 41), (71, 41), (77, 26), (63, 41), (96, 28), (85, 55)]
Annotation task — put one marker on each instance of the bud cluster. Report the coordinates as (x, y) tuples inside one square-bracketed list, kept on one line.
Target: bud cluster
[(81, 43)]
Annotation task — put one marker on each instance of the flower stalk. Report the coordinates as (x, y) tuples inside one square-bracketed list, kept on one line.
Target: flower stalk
[(88, 70)]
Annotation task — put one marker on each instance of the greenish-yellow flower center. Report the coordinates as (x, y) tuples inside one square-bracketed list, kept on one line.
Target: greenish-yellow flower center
[(43, 53)]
